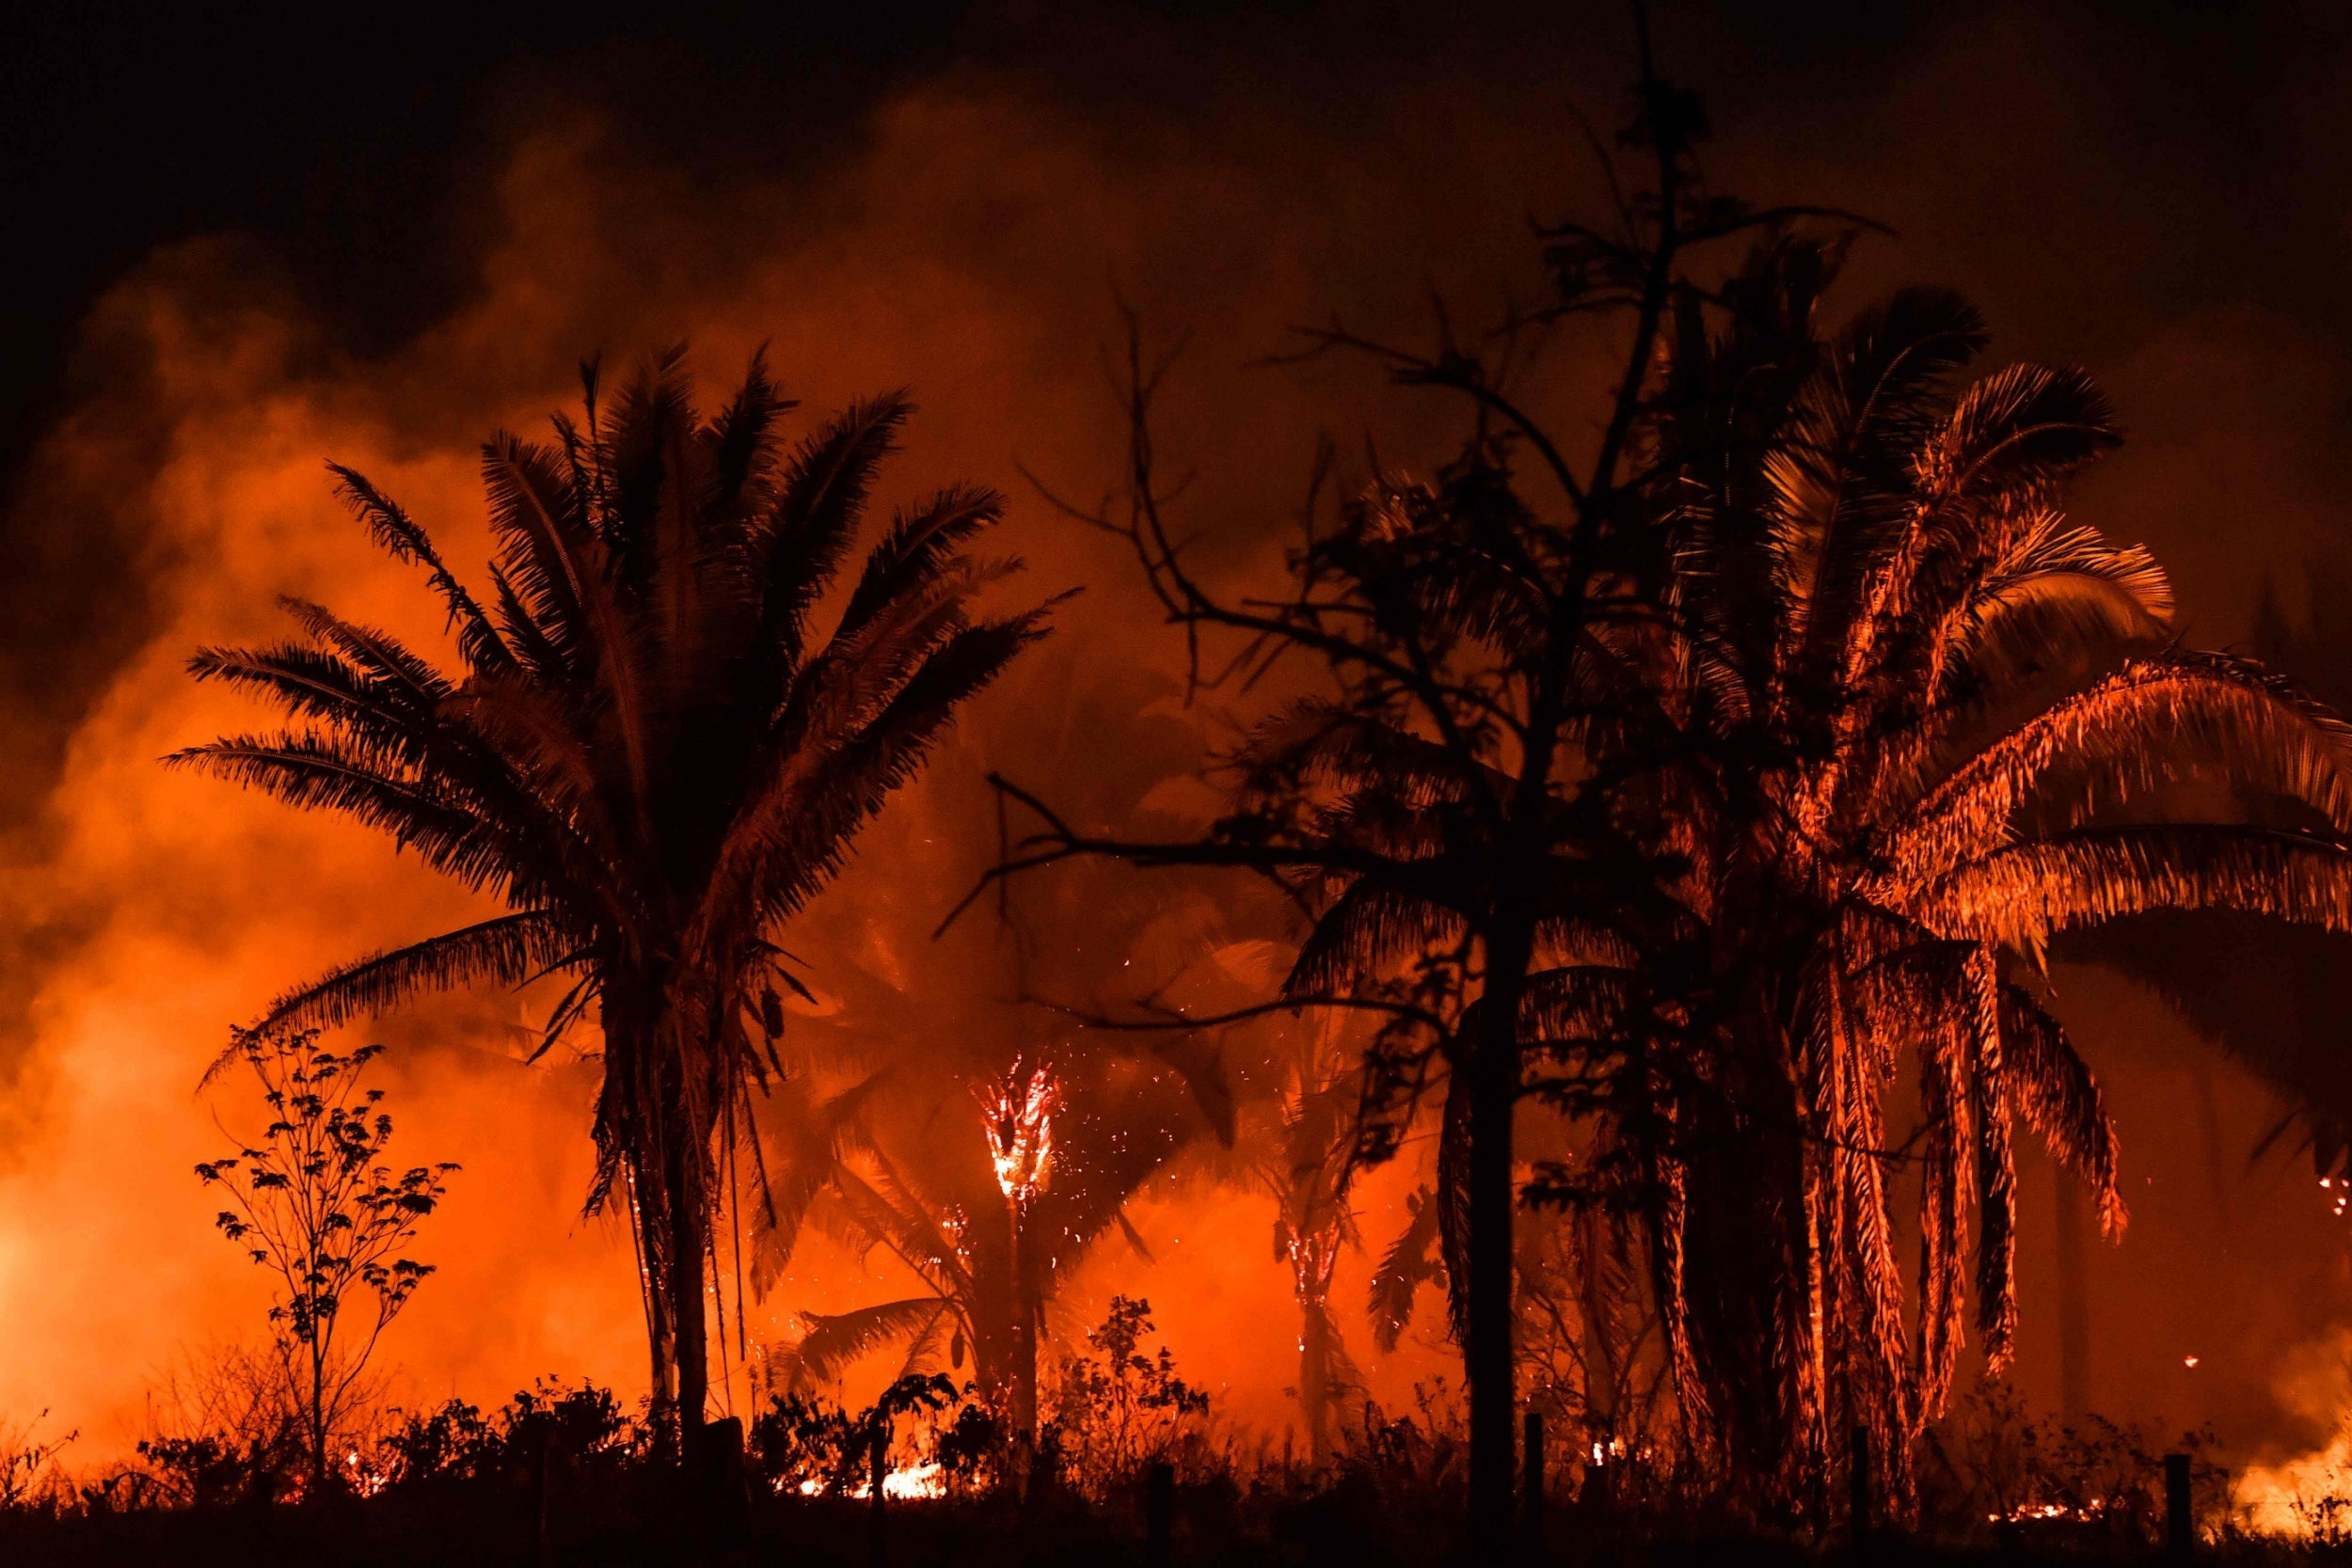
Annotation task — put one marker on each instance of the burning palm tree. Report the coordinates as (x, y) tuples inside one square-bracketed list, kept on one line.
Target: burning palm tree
[(648, 751), (989, 1225), (1909, 725), (1017, 1119), (942, 1135)]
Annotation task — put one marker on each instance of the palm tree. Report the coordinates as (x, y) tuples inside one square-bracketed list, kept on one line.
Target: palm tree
[(1910, 725), (1012, 1180), (647, 752), (902, 1160), (1309, 1172)]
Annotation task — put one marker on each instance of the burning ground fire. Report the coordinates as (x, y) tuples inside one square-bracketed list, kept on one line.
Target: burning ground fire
[(2026, 1513), (2308, 1495), (2303, 1498), (914, 1482)]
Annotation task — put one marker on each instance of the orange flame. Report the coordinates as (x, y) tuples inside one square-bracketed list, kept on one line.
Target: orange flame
[(913, 1482), (1314, 1256), (1019, 1122)]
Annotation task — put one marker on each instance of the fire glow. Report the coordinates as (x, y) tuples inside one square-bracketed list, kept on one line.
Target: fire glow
[(2049, 1512), (1031, 1150), (910, 1482)]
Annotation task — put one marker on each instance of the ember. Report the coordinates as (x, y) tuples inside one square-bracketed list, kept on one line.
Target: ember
[(2039, 1512)]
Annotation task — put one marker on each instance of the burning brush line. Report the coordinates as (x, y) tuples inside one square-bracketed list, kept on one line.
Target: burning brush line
[(922, 1482)]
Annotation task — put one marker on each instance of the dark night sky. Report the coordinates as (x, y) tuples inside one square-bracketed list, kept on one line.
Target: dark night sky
[(347, 144)]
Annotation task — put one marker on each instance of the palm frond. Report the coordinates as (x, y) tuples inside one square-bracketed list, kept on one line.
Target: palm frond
[(399, 536), (920, 546), (507, 950), (2060, 1098), (833, 1342), (1370, 927), (2123, 738), (2022, 897), (1409, 1262), (793, 555), (805, 1142)]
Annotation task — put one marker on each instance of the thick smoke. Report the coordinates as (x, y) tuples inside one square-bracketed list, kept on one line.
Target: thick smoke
[(971, 243), (969, 252)]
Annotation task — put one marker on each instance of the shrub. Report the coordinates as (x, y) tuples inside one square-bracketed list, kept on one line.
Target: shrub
[(1117, 1410), (580, 1425)]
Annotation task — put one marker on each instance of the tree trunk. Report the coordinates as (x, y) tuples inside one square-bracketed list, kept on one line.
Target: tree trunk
[(690, 1239), (1488, 1357), (1749, 1277), (318, 1419), (1314, 1379), (991, 1316), (1023, 1380), (1597, 1307), (628, 1019), (661, 1341)]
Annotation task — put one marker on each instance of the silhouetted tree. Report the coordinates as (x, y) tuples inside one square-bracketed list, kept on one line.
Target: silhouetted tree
[(1119, 1409), (313, 1201), (663, 737), (1906, 725), (1431, 808)]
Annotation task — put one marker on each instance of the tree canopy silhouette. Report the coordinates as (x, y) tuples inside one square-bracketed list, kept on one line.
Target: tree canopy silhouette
[(1689, 780), (1429, 806), (315, 1205)]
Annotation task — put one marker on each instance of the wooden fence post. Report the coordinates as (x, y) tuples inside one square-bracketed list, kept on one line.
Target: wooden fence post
[(1531, 1499), (2179, 1523), (1159, 1512), (879, 1463)]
